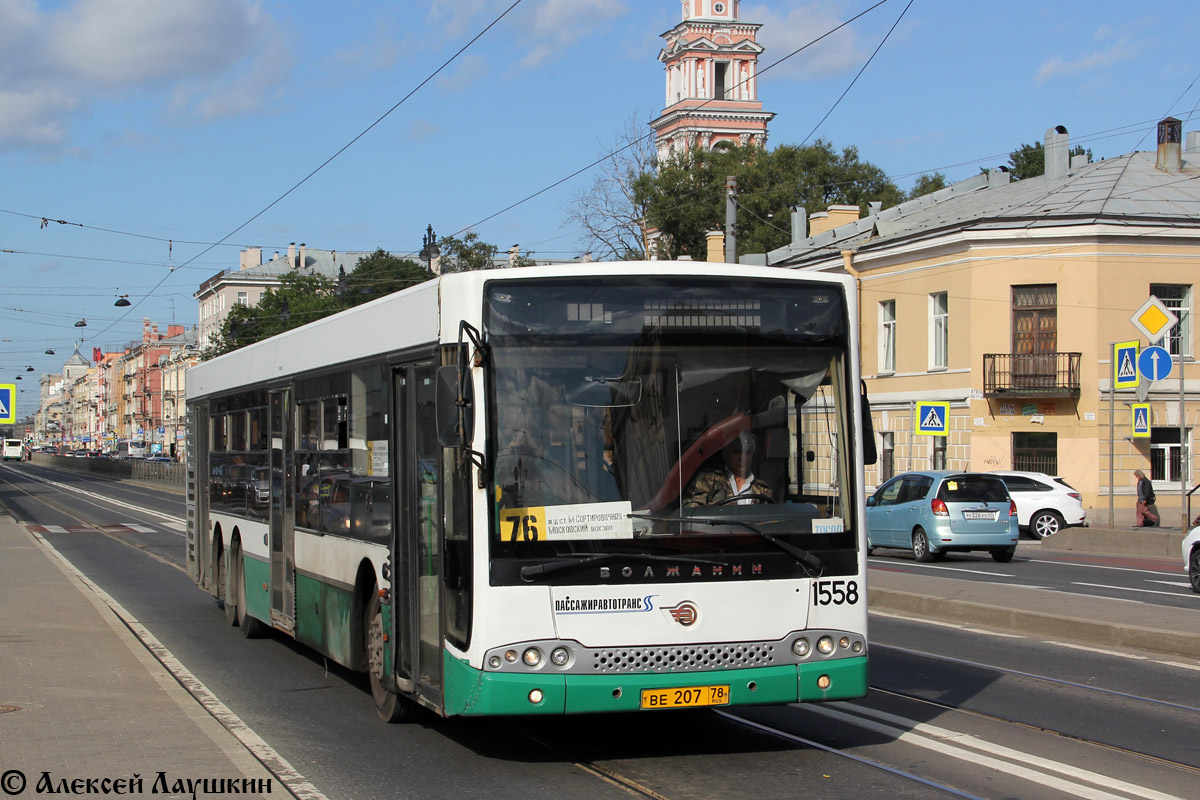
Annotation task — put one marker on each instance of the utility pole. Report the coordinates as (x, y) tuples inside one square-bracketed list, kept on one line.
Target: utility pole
[(731, 190)]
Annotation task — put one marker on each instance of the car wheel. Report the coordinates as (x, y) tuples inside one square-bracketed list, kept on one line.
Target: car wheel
[(1045, 523), (920, 546), (1194, 569), (1004, 555)]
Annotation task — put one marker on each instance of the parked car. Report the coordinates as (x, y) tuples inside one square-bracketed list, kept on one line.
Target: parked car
[(1191, 557), (933, 513), (1045, 504)]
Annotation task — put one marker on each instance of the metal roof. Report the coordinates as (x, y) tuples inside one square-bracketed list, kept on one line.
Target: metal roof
[(1128, 189)]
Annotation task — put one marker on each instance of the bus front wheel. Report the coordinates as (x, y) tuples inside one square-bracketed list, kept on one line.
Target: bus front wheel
[(390, 706)]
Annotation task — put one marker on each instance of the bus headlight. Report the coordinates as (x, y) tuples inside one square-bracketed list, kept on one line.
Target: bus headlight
[(560, 656), (825, 645), (802, 647), (532, 657)]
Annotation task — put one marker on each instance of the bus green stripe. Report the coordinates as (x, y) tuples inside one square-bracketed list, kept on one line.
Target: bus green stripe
[(473, 692)]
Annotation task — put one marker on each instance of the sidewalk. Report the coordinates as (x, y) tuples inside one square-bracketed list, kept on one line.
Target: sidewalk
[(1091, 620), (82, 700)]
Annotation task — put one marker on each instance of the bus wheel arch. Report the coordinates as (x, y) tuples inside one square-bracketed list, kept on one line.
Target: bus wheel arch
[(364, 586)]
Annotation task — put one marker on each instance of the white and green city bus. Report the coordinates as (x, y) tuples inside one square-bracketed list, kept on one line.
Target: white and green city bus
[(483, 490)]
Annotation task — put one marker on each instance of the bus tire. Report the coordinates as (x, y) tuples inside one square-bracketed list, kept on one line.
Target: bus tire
[(389, 706), (252, 628), (222, 587)]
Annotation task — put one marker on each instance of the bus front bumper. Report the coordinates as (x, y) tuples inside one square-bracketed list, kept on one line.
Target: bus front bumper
[(471, 692)]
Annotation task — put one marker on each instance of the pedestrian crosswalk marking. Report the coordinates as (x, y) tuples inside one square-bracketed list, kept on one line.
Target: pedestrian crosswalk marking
[(934, 420), (1139, 421)]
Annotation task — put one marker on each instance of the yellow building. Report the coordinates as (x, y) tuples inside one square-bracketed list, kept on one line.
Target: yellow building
[(1003, 298)]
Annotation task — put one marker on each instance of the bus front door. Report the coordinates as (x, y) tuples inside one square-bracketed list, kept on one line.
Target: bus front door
[(416, 559), (282, 532)]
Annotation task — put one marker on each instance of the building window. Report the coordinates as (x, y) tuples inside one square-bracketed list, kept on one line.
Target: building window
[(1165, 454), (1034, 336), (242, 300), (1035, 452), (1178, 298), (939, 330), (887, 336), (939, 452), (887, 456)]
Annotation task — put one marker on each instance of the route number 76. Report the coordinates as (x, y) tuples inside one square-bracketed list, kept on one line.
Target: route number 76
[(835, 593)]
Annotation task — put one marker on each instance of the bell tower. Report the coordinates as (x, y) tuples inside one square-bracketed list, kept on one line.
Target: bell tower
[(711, 65)]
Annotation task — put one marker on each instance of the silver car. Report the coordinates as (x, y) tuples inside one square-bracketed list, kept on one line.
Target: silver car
[(933, 513)]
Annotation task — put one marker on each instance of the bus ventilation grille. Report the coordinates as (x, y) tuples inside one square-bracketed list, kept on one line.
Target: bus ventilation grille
[(683, 658)]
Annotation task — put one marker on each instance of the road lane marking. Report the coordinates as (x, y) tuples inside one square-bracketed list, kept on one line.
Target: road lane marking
[(1100, 650), (1097, 566), (1128, 589), (987, 754), (1179, 664), (167, 518), (1182, 584), (275, 763), (951, 569)]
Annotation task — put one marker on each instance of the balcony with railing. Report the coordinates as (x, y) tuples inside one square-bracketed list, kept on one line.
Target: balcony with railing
[(1032, 375)]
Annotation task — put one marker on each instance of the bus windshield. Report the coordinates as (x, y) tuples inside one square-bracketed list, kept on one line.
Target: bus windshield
[(698, 421)]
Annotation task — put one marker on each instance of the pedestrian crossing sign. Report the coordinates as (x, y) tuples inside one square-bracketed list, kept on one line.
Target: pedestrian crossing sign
[(1125, 371), (8, 403), (1141, 420), (933, 419)]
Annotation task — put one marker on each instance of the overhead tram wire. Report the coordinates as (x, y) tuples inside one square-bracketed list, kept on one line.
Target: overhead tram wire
[(639, 140), (323, 164), (859, 75)]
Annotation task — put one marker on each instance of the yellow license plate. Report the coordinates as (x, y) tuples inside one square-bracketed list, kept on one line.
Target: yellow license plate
[(689, 697)]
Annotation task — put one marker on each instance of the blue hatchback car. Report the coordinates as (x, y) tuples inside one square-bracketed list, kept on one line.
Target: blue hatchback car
[(933, 513)]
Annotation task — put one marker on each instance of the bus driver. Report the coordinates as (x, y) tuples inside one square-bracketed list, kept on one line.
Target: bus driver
[(718, 485)]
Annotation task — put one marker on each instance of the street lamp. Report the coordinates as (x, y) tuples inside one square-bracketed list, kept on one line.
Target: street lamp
[(431, 251)]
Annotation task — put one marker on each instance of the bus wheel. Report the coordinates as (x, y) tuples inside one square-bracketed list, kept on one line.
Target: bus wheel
[(390, 707), (252, 628), (223, 590)]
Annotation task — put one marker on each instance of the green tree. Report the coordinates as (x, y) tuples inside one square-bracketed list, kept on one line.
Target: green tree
[(379, 274), (927, 184), (471, 253), (1028, 160), (298, 300), (686, 197)]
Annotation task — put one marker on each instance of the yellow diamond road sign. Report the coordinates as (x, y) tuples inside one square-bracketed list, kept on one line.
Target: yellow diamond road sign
[(1154, 319)]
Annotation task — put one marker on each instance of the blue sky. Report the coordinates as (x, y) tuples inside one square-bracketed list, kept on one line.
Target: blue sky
[(142, 121)]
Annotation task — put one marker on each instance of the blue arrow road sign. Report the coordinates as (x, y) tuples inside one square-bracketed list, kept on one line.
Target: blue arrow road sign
[(8, 403), (1154, 363)]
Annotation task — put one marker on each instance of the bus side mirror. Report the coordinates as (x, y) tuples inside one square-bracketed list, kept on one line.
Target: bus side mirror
[(870, 453), (455, 411)]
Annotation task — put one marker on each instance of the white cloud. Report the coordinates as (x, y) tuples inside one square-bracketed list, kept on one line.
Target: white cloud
[(554, 25), (464, 73), (219, 57), (422, 129), (788, 26), (1123, 48), (455, 15)]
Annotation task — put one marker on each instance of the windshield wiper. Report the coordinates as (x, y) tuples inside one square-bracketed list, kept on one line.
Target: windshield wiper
[(531, 571), (811, 563)]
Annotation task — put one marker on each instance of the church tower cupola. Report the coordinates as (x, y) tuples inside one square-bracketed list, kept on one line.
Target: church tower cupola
[(711, 65)]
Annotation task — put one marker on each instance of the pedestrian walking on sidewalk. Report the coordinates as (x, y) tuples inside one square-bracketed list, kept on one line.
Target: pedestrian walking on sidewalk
[(1147, 512)]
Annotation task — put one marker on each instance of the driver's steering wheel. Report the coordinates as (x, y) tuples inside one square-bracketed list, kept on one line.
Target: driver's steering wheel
[(760, 498)]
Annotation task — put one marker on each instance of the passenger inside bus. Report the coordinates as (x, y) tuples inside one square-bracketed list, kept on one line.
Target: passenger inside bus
[(731, 480)]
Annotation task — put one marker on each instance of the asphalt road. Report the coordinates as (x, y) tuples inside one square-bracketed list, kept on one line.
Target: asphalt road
[(952, 712)]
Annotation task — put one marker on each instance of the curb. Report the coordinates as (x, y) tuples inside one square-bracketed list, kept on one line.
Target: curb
[(1132, 637), (1141, 542)]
